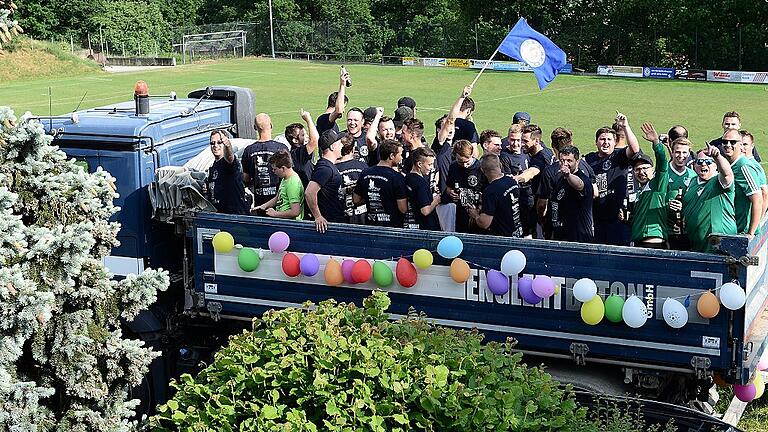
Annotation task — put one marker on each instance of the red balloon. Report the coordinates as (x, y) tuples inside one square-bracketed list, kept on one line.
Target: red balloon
[(406, 273), (361, 271), (291, 265)]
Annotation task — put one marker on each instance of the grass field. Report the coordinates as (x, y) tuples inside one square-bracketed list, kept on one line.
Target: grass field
[(579, 103)]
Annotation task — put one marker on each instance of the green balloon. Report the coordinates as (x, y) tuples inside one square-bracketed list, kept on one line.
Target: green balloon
[(613, 307), (248, 259), (382, 274)]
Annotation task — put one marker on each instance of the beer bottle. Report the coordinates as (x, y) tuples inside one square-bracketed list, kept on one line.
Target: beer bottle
[(349, 80), (677, 228)]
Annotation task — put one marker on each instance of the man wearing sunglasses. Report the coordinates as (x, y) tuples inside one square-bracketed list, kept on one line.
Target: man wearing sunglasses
[(708, 203), (748, 199), (224, 186), (731, 120)]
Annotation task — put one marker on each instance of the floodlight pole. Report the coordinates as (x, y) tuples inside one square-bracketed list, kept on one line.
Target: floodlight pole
[(271, 30)]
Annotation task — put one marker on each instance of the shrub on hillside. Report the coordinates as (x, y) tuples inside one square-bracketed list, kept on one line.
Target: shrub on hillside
[(341, 368)]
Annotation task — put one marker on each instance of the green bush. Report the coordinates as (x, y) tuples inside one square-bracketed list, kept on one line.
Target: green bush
[(338, 367)]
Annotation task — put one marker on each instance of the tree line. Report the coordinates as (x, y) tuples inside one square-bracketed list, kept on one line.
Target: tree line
[(722, 34)]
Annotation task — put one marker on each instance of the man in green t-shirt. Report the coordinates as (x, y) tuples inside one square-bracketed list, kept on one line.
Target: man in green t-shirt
[(649, 218), (747, 147), (708, 202), (289, 201), (680, 176), (748, 199)]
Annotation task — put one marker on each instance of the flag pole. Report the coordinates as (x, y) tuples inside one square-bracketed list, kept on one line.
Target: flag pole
[(484, 66)]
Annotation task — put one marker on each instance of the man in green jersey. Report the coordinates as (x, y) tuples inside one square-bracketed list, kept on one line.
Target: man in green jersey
[(708, 202), (748, 199), (747, 147), (680, 176), (289, 201), (649, 218)]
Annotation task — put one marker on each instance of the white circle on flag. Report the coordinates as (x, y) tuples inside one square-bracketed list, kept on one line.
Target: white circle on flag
[(533, 53)]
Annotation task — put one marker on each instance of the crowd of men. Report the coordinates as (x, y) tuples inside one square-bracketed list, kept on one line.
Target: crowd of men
[(381, 171)]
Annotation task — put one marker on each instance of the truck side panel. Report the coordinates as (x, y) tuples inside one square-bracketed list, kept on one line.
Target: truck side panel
[(551, 327)]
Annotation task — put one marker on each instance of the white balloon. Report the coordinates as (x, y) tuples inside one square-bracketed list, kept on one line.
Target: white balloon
[(732, 296), (584, 290), (675, 314), (634, 313), (513, 263)]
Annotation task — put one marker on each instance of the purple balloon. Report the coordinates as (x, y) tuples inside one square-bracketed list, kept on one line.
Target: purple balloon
[(498, 282), (525, 289), (309, 264), (543, 286), (279, 241), (745, 393), (346, 270)]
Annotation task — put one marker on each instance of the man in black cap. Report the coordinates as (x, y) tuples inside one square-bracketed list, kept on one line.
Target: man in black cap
[(521, 118), (407, 101), (368, 115), (322, 193), (649, 218), (402, 114)]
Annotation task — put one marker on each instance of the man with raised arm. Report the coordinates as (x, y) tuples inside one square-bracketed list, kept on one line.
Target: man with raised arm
[(382, 128), (224, 185), (570, 200), (708, 203), (335, 108), (649, 218), (302, 149)]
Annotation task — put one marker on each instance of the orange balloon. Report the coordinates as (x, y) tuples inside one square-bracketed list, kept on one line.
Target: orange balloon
[(459, 270), (333, 275), (708, 305)]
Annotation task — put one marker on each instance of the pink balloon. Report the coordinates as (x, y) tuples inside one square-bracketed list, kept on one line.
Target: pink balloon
[(346, 270), (762, 364), (745, 393), (543, 286), (279, 242), (525, 288)]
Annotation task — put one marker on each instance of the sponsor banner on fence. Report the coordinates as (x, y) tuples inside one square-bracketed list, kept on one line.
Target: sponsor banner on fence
[(410, 61), (724, 76), (621, 71), (433, 62), (754, 77), (691, 74), (457, 63), (511, 66), (657, 72), (478, 64)]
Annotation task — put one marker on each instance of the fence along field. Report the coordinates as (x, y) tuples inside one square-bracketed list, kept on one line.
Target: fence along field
[(282, 87)]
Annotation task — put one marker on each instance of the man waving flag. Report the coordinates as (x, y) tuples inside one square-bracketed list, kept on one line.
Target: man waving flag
[(533, 48)]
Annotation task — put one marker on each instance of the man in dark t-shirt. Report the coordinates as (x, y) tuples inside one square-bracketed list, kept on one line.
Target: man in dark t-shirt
[(500, 213), (224, 186), (355, 130), (322, 194), (465, 128), (464, 185), (301, 152), (611, 166), (335, 108), (257, 173), (570, 200), (422, 201), (382, 189), (350, 170)]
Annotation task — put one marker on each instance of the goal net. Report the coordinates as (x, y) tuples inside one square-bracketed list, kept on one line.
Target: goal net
[(213, 45)]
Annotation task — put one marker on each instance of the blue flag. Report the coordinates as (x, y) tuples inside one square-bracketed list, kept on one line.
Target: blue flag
[(536, 50)]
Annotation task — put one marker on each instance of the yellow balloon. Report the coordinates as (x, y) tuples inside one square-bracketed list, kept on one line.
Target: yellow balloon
[(459, 270), (759, 384), (593, 311), (422, 258), (223, 242)]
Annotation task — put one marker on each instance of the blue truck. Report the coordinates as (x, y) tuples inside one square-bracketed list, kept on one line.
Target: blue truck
[(211, 297)]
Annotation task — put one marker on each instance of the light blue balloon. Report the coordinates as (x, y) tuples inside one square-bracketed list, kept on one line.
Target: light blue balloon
[(450, 247)]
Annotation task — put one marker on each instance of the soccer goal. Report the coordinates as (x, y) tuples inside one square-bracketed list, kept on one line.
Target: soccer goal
[(213, 45)]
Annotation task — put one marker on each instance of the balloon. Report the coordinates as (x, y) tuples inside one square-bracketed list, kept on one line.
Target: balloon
[(719, 380), (498, 282), (382, 274), (592, 312), (346, 270), (450, 247), (584, 289), (361, 271), (675, 314), (422, 258), (513, 263), (614, 304), (543, 286), (310, 265), (223, 242), (732, 296), (249, 259), (406, 273), (708, 305), (279, 241), (291, 265), (634, 313), (332, 273), (759, 385), (745, 393), (459, 270), (525, 289), (762, 364)]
